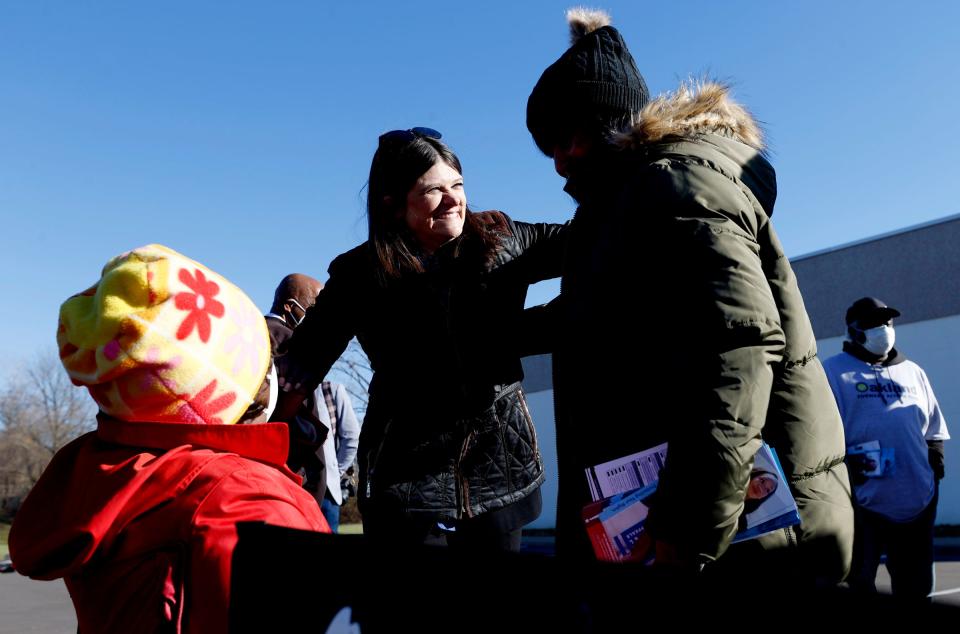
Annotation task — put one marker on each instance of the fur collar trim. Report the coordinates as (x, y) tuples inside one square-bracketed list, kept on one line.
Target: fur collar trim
[(694, 109)]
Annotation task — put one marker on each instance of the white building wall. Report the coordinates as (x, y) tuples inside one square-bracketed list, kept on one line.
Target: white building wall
[(541, 409)]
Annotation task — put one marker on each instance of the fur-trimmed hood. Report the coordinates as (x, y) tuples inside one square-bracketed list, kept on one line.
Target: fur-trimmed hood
[(705, 114), (695, 109)]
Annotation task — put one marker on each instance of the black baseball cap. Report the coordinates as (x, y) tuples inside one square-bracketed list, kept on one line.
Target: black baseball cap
[(872, 308)]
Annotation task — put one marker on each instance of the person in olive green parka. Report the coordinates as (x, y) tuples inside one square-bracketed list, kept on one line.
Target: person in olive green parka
[(676, 288)]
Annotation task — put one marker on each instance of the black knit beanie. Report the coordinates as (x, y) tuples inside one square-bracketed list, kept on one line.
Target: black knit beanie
[(596, 74)]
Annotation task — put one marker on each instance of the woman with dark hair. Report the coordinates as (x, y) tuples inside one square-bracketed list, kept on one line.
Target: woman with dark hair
[(448, 452)]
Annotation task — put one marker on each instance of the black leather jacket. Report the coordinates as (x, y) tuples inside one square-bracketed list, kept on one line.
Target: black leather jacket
[(447, 430)]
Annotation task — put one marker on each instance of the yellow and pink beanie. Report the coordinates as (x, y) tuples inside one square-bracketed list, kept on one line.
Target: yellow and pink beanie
[(163, 338)]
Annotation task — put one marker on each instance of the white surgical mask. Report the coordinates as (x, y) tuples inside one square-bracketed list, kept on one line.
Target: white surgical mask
[(274, 391), (296, 322), (879, 340)]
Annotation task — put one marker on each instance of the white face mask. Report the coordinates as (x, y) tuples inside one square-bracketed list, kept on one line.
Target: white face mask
[(296, 322), (274, 391), (879, 340)]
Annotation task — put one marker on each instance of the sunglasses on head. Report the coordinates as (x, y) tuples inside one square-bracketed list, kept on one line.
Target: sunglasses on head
[(406, 136)]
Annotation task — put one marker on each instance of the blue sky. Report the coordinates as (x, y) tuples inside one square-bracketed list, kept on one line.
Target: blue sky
[(241, 133)]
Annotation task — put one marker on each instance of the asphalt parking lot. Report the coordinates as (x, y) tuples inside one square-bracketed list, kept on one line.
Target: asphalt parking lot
[(43, 607)]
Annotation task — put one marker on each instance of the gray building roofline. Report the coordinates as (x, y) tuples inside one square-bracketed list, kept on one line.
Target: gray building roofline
[(879, 236), (916, 270)]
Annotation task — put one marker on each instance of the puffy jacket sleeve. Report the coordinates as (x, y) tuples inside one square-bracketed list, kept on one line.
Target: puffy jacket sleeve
[(540, 249), (252, 492), (732, 340), (325, 331), (540, 328)]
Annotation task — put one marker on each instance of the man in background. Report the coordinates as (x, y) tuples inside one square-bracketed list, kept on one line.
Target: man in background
[(326, 430), (294, 295), (895, 433), (339, 449)]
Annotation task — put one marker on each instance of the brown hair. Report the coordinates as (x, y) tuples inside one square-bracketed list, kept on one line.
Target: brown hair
[(396, 166)]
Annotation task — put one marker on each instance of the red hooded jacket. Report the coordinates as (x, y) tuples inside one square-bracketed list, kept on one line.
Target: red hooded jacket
[(140, 520)]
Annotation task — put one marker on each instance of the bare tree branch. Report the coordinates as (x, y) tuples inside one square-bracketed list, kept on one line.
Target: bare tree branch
[(40, 412), (353, 370)]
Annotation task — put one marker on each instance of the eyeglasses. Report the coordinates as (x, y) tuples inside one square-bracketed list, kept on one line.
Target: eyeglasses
[(405, 136)]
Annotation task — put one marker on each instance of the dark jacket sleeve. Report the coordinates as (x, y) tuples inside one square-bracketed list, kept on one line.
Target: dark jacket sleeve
[(540, 328), (540, 249), (325, 331)]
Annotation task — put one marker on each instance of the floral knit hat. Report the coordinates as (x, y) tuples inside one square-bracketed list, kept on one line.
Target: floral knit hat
[(163, 338)]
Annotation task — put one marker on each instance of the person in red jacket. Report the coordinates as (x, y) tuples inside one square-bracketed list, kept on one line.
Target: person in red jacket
[(139, 517)]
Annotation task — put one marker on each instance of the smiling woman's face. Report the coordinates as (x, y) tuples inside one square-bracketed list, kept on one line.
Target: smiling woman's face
[(436, 206)]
